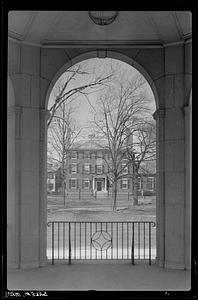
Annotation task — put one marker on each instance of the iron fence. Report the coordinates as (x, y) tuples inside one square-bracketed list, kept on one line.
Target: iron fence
[(101, 240)]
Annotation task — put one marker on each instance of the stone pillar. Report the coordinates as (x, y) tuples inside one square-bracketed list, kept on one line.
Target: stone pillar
[(13, 185), (160, 187), (27, 211), (44, 115), (188, 200), (30, 187), (170, 188)]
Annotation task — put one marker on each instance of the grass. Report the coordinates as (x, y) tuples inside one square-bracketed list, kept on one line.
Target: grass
[(99, 211)]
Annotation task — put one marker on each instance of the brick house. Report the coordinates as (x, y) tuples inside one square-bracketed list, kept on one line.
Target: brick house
[(87, 173)]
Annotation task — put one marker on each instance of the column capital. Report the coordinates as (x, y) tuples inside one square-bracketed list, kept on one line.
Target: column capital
[(187, 110), (165, 112), (14, 110), (159, 113), (45, 113)]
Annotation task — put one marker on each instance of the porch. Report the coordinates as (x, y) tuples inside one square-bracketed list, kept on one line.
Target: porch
[(97, 275)]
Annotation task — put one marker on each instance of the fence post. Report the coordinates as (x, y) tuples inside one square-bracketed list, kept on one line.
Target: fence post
[(149, 243), (69, 244), (52, 243), (132, 247)]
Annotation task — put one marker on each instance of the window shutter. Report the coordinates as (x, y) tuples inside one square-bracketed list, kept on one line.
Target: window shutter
[(82, 168), (70, 155), (70, 184), (90, 184), (77, 168), (77, 183), (128, 183), (83, 183), (90, 169), (70, 168)]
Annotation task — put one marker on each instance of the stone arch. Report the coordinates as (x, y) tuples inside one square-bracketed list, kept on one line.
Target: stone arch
[(103, 53), (114, 55)]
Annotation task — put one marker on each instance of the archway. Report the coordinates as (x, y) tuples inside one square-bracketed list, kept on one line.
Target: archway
[(103, 54), (111, 54)]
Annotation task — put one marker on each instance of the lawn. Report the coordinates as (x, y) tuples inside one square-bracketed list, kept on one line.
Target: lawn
[(100, 211)]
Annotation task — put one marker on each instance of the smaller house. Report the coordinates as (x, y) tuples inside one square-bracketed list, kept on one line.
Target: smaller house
[(54, 178)]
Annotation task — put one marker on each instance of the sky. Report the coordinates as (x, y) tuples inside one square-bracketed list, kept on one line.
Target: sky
[(97, 67)]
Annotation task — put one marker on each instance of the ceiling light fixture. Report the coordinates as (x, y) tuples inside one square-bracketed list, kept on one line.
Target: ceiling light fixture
[(103, 17)]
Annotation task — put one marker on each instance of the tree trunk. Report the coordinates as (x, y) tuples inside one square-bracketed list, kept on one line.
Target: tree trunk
[(115, 195), (63, 187), (135, 190)]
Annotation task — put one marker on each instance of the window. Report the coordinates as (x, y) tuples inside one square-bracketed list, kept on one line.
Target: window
[(50, 186), (99, 169), (124, 169), (124, 184), (149, 183), (86, 168), (86, 183), (93, 155), (73, 183), (74, 155), (74, 168), (87, 154), (50, 175), (99, 154)]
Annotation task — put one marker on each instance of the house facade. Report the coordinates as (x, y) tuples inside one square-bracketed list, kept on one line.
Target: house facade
[(88, 170), (88, 175)]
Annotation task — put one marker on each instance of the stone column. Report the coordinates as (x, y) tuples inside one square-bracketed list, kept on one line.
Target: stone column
[(170, 188), (188, 200), (159, 116), (13, 185), (44, 115), (30, 187)]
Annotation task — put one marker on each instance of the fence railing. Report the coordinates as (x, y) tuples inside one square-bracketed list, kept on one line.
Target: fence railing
[(101, 240)]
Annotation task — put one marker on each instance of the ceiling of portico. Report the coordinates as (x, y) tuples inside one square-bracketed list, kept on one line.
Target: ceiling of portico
[(70, 27)]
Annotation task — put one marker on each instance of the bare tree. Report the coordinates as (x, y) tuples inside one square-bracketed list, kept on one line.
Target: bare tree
[(67, 90), (118, 117), (143, 146), (62, 133)]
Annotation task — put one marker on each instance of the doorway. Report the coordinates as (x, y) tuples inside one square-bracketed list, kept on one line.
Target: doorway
[(99, 185)]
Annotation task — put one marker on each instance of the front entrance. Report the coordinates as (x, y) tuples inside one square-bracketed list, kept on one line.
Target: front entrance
[(99, 186)]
